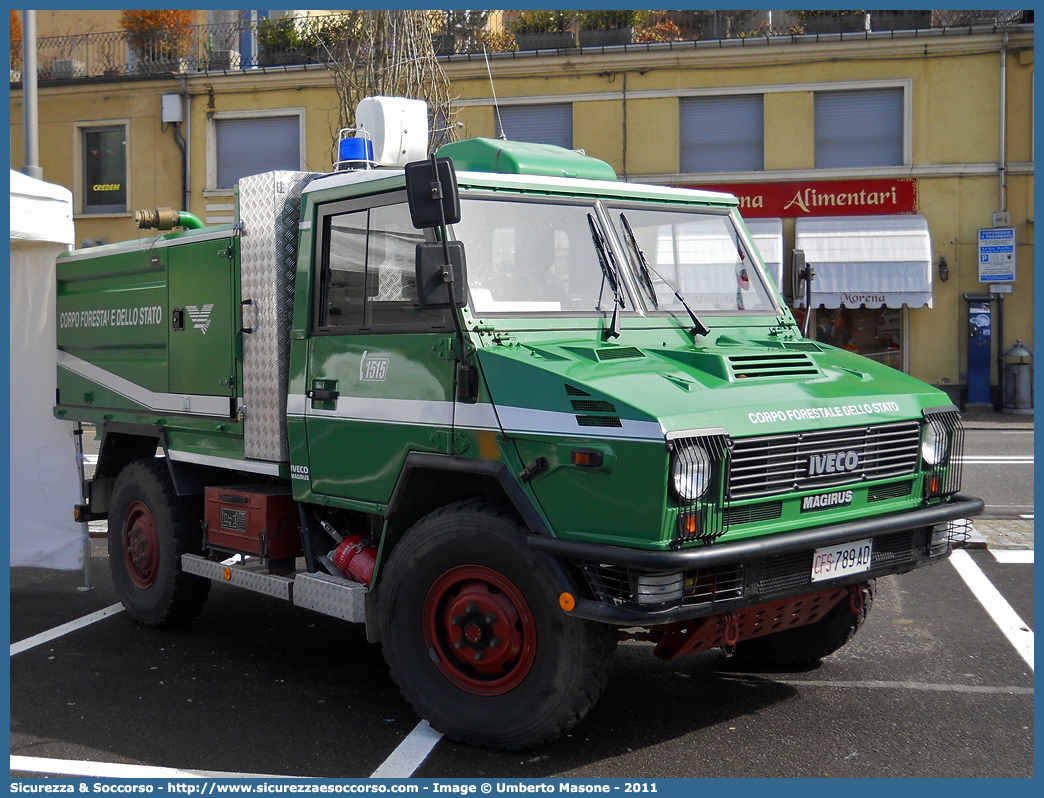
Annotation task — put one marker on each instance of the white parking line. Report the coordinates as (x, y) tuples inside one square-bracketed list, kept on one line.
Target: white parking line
[(64, 629), (1011, 459), (928, 687), (114, 770), (1017, 632), (411, 752), (1013, 556), (403, 761)]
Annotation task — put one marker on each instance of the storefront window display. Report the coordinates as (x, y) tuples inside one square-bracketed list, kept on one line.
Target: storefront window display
[(872, 332)]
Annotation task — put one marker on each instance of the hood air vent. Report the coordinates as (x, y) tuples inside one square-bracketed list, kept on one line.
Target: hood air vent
[(593, 406), (598, 421), (587, 406), (619, 353), (754, 366)]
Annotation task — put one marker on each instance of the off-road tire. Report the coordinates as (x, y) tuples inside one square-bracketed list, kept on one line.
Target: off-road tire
[(150, 527), (809, 644), (469, 561)]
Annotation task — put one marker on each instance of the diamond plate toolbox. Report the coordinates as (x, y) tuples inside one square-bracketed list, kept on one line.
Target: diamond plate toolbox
[(269, 210)]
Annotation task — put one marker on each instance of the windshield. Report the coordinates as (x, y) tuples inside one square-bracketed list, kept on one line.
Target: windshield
[(534, 257), (698, 254)]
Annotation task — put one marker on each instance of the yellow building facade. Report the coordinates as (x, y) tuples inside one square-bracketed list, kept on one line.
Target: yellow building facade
[(762, 110)]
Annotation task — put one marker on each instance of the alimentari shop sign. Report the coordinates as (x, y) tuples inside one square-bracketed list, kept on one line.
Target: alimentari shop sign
[(823, 197)]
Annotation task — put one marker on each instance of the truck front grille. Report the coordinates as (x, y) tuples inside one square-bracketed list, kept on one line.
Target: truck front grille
[(810, 460), (704, 586)]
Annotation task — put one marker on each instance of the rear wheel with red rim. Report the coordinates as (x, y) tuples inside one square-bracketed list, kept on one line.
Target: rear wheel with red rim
[(150, 527), (140, 545)]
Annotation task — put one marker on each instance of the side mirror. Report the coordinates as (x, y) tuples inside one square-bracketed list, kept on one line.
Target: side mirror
[(797, 267), (434, 198), (441, 284)]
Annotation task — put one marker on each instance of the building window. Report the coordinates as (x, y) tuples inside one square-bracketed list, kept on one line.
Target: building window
[(859, 128), (105, 169), (250, 145), (722, 134), (540, 124)]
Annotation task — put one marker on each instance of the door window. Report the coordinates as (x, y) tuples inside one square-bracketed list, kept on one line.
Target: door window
[(368, 278)]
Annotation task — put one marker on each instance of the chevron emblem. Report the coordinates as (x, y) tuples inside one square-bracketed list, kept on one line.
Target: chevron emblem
[(200, 317)]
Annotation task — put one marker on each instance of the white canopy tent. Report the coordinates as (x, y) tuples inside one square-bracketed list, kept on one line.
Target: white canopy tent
[(44, 475), (867, 260)]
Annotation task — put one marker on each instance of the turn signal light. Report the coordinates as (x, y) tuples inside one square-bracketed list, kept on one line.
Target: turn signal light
[(690, 524), (81, 514), (585, 458), (934, 485)]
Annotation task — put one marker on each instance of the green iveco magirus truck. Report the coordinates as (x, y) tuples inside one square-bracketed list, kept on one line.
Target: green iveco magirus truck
[(499, 407)]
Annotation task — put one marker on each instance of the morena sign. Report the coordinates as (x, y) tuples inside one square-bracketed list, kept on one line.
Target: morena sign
[(823, 197)]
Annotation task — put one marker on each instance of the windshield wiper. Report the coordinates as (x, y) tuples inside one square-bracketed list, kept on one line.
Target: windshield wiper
[(643, 264), (610, 274), (698, 327)]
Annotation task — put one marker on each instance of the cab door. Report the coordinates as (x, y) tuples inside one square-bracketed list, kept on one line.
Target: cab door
[(379, 374)]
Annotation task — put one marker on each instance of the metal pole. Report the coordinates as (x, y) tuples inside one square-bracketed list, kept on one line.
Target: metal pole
[(32, 118), (1000, 347), (84, 527)]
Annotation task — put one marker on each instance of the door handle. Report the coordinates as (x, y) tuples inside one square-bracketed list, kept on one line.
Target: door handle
[(317, 395)]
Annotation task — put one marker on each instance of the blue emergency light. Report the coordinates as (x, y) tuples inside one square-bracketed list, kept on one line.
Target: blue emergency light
[(354, 152)]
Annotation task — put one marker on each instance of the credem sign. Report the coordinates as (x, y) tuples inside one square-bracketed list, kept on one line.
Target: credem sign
[(823, 197)]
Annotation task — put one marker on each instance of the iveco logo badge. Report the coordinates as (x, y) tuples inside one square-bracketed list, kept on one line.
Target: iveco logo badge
[(832, 463)]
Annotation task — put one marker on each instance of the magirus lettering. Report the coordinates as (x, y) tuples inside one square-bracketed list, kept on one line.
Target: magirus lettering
[(824, 501), (833, 462)]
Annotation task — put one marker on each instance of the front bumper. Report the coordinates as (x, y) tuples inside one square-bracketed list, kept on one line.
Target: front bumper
[(731, 576)]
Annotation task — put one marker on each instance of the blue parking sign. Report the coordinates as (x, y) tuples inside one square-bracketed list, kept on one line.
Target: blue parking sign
[(997, 255)]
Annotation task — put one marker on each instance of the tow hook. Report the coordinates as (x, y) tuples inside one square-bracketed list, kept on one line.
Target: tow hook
[(855, 598), (729, 632)]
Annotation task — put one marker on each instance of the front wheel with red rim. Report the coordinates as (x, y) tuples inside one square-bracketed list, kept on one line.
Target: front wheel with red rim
[(483, 627), (150, 527), (474, 636)]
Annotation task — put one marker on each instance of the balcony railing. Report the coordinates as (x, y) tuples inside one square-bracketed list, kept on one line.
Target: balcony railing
[(290, 42)]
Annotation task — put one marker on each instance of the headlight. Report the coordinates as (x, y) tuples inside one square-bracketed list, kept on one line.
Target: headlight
[(691, 472), (936, 443)]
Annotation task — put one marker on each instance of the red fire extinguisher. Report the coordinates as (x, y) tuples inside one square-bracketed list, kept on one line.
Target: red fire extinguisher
[(357, 557)]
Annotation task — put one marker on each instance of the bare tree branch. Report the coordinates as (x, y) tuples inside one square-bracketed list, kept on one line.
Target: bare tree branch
[(389, 53)]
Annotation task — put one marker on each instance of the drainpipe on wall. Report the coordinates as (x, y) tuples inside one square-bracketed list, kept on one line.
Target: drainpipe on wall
[(1002, 172), (29, 99), (1003, 156), (186, 166)]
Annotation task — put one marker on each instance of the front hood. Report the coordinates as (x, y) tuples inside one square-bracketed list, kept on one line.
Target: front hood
[(641, 389)]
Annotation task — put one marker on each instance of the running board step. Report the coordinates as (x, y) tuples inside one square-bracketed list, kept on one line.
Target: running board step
[(319, 592), (280, 587), (331, 596)]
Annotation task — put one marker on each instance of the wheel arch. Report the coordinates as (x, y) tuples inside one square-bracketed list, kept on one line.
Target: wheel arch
[(124, 443), (428, 482)]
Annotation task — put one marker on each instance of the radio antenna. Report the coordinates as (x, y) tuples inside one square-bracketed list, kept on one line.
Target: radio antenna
[(496, 106)]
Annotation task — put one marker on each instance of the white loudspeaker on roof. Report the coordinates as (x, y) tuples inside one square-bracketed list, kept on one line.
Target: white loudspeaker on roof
[(397, 126)]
